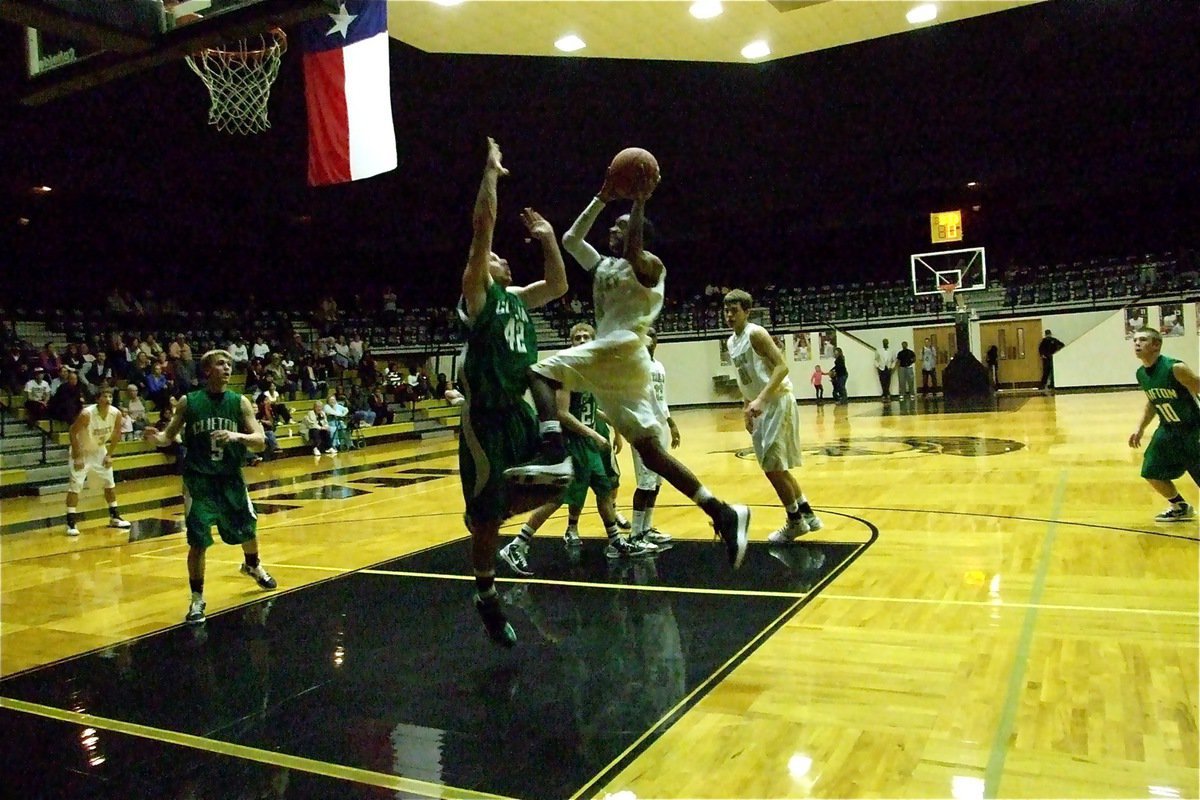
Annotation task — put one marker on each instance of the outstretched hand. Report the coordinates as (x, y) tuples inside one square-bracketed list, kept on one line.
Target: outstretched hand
[(495, 157), (536, 224), (1135, 439)]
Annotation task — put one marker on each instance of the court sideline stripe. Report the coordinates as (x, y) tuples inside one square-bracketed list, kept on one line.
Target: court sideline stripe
[(247, 753), (1016, 679)]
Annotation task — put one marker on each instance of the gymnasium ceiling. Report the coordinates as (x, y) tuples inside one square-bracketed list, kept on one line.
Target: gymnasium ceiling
[(662, 29)]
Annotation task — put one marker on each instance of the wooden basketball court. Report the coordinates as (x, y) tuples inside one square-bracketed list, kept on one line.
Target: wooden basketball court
[(989, 611)]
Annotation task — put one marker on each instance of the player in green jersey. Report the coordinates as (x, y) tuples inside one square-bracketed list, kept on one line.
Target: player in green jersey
[(586, 437), (1171, 388), (218, 427), (499, 429)]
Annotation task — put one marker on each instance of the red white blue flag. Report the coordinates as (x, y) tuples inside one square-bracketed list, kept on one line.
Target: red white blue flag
[(349, 95)]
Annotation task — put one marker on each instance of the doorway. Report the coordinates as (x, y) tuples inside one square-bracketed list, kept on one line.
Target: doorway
[(1016, 344)]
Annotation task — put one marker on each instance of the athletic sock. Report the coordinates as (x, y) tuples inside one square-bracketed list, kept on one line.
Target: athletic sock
[(802, 504), (639, 522), (1178, 501), (252, 560), (72, 517), (526, 534), (793, 510), (197, 587), (551, 435), (711, 505), (113, 513)]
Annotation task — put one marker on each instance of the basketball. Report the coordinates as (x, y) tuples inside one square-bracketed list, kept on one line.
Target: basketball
[(633, 173)]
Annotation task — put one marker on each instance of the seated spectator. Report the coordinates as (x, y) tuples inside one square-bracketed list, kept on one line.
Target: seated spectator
[(49, 359), (158, 387), (99, 371), (368, 372), (312, 378), (184, 370), (273, 371), (279, 408), (442, 385), (135, 409), (239, 353), (377, 403), (261, 349), (266, 415), (338, 416), (256, 378), (37, 396), (360, 409), (67, 400), (357, 347), (137, 371), (314, 426), (115, 352), (71, 357), (422, 389), (16, 371), (340, 355)]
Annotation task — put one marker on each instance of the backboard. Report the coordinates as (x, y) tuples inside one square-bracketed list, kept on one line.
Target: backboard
[(73, 45), (967, 268)]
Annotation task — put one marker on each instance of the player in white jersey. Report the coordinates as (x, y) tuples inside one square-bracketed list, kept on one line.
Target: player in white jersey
[(649, 481), (769, 408), (616, 369), (93, 433)]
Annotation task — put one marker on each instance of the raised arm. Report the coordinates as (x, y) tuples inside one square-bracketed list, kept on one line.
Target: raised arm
[(554, 284), (575, 239), (476, 277), (646, 265)]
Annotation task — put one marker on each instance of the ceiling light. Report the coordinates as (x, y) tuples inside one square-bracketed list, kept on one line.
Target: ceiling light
[(926, 12), (706, 9), (41, 190), (448, 2), (569, 44), (756, 49)]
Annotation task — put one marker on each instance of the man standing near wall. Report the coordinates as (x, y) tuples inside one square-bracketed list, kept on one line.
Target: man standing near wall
[(906, 360), (885, 364)]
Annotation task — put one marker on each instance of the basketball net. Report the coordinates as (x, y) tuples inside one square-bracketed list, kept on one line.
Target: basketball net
[(239, 81)]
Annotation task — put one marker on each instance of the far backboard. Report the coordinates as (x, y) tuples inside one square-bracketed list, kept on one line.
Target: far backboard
[(966, 268)]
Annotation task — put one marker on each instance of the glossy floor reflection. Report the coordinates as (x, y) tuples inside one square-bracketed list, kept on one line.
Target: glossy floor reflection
[(390, 674)]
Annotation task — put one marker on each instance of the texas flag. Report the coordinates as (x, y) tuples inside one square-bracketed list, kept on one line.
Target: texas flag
[(349, 96)]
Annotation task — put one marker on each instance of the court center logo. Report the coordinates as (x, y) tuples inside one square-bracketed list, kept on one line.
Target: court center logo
[(964, 446)]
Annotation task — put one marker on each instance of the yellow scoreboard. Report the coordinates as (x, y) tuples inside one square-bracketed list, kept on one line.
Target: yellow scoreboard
[(945, 226)]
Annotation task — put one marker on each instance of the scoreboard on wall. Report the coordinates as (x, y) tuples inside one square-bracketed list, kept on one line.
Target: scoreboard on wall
[(945, 226)]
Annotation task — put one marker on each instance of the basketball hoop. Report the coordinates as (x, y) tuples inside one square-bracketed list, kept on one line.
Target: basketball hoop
[(947, 292), (239, 81)]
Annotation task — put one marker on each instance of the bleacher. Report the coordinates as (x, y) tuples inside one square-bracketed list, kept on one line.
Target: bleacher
[(33, 460)]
